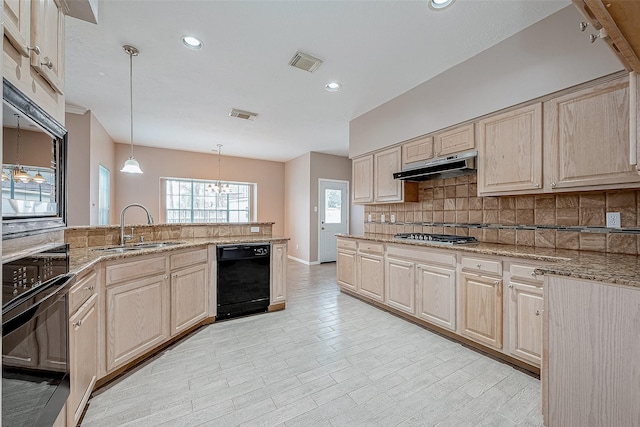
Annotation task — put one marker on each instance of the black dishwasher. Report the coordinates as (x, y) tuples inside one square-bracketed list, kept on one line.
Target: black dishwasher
[(243, 279)]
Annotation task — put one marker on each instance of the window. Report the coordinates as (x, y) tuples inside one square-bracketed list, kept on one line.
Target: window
[(104, 196), (194, 201)]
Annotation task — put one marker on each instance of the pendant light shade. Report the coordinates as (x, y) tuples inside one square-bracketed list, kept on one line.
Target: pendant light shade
[(131, 165), (38, 178)]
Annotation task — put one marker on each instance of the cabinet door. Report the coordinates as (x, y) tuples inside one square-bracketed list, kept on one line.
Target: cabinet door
[(587, 137), (371, 276), (363, 179), (346, 269), (189, 294), (510, 152), (137, 319), (456, 140), (386, 188), (47, 32), (525, 322), (437, 295), (83, 357), (417, 151), (278, 273), (17, 24), (481, 309), (400, 285)]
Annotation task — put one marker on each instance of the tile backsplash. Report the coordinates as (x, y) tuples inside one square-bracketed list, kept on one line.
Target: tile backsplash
[(564, 220)]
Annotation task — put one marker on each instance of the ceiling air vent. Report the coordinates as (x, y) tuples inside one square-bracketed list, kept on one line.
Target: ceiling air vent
[(246, 115), (305, 62)]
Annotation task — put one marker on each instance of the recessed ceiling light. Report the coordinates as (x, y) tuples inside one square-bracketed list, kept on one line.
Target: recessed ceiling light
[(333, 86), (191, 42), (439, 4)]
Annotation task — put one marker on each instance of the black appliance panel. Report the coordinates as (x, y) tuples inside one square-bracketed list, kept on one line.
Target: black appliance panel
[(244, 276), (35, 348)]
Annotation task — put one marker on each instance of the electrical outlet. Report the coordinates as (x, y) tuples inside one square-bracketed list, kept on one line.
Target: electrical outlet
[(393, 218), (255, 229), (613, 219), (381, 217), (369, 218)]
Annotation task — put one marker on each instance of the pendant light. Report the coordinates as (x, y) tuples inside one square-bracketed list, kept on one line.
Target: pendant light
[(131, 165), (19, 174), (218, 187), (38, 178)]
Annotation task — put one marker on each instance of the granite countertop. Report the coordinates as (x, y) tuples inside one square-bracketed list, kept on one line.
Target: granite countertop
[(618, 269), (82, 258)]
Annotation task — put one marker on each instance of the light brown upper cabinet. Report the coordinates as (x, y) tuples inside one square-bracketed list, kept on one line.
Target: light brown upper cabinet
[(586, 138), (454, 140), (510, 152), (33, 51), (17, 24), (618, 20), (47, 32), (373, 180), (385, 164), (362, 181), (418, 150)]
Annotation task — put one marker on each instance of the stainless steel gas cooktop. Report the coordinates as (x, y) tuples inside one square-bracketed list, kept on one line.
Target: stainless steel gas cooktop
[(447, 239)]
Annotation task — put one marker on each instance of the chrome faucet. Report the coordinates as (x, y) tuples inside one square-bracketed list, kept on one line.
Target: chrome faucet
[(123, 237)]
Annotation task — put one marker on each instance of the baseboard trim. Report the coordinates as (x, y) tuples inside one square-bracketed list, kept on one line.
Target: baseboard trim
[(301, 261)]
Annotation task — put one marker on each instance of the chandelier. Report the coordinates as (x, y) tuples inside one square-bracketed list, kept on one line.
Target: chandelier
[(218, 187)]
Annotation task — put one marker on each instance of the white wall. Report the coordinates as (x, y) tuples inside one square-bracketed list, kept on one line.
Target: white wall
[(102, 153), (546, 57), (78, 169), (297, 179)]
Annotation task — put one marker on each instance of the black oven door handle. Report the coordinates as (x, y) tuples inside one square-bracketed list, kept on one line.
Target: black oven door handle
[(24, 309)]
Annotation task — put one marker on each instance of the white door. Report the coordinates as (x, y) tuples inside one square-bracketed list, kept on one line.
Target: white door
[(334, 214)]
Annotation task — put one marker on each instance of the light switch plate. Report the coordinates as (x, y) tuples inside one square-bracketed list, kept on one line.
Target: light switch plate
[(381, 217), (369, 218), (255, 229), (613, 219)]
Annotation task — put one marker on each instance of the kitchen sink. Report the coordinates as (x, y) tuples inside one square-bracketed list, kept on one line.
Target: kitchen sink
[(137, 247)]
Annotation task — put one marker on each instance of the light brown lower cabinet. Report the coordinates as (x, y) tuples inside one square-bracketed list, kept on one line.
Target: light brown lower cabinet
[(83, 358), (437, 295), (137, 318), (525, 321), (371, 276), (189, 296), (278, 288), (591, 368), (481, 309), (346, 268), (400, 288)]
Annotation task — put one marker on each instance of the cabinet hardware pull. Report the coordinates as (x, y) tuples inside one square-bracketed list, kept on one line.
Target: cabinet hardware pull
[(78, 323), (89, 288), (497, 282), (165, 277), (553, 185), (47, 63), (533, 273), (510, 285), (537, 312), (536, 185), (35, 49), (583, 26)]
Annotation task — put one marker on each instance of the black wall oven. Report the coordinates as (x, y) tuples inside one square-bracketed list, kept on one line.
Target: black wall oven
[(35, 349)]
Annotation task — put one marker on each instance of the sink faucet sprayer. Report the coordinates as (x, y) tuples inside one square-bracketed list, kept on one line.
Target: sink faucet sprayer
[(123, 237)]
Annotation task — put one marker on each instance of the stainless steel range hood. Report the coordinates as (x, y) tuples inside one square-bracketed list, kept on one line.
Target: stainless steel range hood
[(446, 167)]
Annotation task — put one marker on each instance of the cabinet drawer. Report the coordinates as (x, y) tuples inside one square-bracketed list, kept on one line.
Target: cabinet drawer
[(347, 244), (136, 269), (375, 248), (525, 272), (184, 259), (86, 286), (423, 255), (483, 265)]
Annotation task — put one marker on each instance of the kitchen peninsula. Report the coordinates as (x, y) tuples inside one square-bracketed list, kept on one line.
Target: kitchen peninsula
[(128, 304)]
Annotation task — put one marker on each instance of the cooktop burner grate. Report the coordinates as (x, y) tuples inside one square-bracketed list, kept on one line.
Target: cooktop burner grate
[(450, 239)]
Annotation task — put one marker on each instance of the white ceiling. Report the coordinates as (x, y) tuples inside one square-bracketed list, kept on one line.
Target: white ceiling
[(182, 98)]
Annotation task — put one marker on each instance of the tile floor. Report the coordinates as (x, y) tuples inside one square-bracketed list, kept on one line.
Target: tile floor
[(327, 360)]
